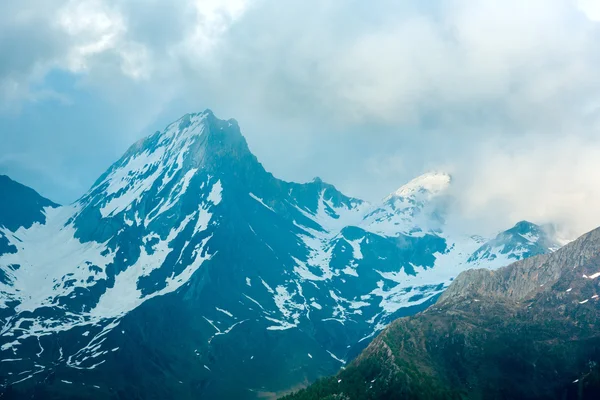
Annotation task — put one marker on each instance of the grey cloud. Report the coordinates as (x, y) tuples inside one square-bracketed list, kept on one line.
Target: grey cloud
[(366, 95)]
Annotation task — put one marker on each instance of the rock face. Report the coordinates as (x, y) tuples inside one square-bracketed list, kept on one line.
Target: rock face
[(530, 330), (188, 271)]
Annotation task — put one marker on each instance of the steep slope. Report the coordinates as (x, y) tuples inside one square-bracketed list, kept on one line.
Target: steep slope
[(528, 331), (189, 271)]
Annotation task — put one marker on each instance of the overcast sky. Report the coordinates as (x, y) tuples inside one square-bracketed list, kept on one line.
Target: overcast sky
[(503, 94)]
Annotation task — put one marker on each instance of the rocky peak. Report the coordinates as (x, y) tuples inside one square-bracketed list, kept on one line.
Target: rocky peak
[(194, 140)]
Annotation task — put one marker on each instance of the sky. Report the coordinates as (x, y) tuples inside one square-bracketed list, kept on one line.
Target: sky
[(504, 95)]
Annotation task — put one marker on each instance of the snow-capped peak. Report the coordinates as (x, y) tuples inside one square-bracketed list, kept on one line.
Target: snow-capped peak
[(161, 166), (430, 183)]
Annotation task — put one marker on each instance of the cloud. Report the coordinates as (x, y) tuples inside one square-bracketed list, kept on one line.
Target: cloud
[(367, 95), (345, 60), (91, 37), (590, 8), (548, 182)]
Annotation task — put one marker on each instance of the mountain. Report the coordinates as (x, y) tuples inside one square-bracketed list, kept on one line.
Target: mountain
[(188, 271), (20, 206), (522, 241), (525, 331)]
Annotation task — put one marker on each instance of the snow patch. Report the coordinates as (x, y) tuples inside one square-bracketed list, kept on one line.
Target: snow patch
[(261, 201), (430, 183), (224, 312), (336, 358), (356, 252)]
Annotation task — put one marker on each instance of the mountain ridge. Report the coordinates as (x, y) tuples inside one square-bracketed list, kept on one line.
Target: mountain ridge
[(527, 330), (523, 273)]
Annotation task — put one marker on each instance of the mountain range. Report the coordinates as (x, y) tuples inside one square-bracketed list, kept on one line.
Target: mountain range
[(525, 331), (189, 271)]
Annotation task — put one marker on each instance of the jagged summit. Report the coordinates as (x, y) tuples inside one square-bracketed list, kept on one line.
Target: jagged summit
[(191, 129), (430, 183), (211, 132), (194, 142)]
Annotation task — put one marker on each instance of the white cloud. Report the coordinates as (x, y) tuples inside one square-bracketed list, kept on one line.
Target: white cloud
[(546, 182), (92, 28), (213, 18)]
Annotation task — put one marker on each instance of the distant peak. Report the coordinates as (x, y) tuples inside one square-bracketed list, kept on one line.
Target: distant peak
[(320, 183), (430, 183), (9, 185), (525, 226), (20, 205)]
